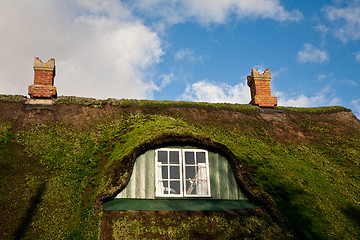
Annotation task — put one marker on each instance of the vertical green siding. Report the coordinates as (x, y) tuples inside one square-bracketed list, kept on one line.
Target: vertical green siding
[(222, 180), (142, 180), (150, 178)]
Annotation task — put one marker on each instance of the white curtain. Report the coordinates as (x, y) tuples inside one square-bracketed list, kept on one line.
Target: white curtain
[(202, 181)]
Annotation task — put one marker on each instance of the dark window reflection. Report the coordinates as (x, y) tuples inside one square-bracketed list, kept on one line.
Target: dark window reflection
[(162, 156), (189, 158), (164, 171), (174, 157), (166, 187), (190, 187), (175, 187), (174, 172), (200, 157), (190, 172)]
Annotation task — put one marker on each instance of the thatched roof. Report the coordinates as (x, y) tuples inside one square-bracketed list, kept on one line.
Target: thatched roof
[(60, 161)]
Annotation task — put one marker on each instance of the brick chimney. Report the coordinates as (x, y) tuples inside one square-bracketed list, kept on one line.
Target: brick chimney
[(260, 89), (44, 74)]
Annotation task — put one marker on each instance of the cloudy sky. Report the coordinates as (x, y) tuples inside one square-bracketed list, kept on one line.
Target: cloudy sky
[(193, 50)]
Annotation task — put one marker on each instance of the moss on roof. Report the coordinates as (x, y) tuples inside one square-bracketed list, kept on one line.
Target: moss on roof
[(314, 110), (13, 98), (126, 103), (56, 163)]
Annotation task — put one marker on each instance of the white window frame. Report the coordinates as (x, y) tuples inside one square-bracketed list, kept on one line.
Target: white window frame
[(158, 180), (207, 175)]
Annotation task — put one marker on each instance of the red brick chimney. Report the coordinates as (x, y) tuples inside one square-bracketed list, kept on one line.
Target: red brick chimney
[(44, 74), (260, 89)]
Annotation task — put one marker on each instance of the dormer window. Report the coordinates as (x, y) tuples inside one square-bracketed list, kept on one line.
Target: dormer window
[(180, 178), (182, 173)]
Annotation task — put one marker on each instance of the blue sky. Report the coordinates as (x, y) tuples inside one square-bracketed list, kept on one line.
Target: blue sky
[(194, 50)]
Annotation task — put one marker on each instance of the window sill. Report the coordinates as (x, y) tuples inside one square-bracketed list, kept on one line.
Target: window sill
[(176, 205)]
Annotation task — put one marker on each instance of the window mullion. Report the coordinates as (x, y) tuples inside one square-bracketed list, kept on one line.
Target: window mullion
[(168, 170), (181, 173), (196, 173), (183, 178)]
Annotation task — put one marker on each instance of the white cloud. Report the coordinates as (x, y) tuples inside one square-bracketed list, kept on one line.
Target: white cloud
[(312, 54), (357, 57), (214, 11), (356, 107), (321, 76), (323, 31), (325, 97), (188, 55), (166, 79), (100, 49), (349, 82), (322, 28), (346, 20), (275, 74), (205, 91)]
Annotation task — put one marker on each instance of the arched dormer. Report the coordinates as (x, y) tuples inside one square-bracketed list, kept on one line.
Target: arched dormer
[(224, 184)]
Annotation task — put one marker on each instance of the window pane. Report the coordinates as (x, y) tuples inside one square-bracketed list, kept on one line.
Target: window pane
[(164, 171), (165, 187), (174, 187), (190, 172), (174, 172), (174, 157), (200, 157), (162, 157), (189, 158), (190, 187)]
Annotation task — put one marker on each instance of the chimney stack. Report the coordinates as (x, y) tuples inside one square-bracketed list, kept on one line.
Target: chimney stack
[(260, 89), (44, 74)]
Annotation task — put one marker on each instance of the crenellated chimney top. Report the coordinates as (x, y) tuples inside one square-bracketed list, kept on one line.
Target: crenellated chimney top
[(44, 74), (260, 89)]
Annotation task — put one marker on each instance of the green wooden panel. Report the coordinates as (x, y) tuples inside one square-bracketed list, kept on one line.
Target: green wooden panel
[(177, 205), (214, 177), (222, 180), (141, 184), (150, 178)]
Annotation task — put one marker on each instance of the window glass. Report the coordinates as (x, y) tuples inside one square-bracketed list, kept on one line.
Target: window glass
[(164, 171), (200, 157), (165, 186), (175, 187), (174, 157), (189, 158), (190, 172), (162, 156), (174, 172), (190, 187)]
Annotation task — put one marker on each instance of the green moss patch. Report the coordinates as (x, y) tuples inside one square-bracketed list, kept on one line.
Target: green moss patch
[(22, 183), (194, 225), (314, 110), (126, 103), (45, 179), (13, 98)]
